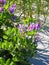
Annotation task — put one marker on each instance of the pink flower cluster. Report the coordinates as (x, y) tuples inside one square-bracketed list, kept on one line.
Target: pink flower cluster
[(33, 26)]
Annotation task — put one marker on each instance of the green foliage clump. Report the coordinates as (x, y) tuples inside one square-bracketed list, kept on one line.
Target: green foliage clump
[(16, 41)]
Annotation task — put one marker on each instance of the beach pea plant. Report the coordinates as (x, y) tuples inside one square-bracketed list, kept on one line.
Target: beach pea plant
[(17, 42)]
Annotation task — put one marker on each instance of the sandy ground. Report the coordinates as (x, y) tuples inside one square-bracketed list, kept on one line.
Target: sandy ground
[(42, 57)]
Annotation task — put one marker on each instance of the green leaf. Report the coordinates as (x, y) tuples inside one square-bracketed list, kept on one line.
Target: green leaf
[(29, 20), (11, 63), (2, 61), (7, 62), (31, 32)]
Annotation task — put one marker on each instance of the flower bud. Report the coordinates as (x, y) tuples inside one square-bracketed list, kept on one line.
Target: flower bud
[(14, 6), (14, 18), (1, 9), (37, 26), (31, 27), (2, 1), (11, 10)]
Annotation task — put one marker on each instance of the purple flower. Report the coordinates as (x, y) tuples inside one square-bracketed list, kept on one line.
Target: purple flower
[(1, 9), (21, 26), (37, 38), (14, 18), (2, 1), (31, 27), (11, 10), (37, 26), (14, 6)]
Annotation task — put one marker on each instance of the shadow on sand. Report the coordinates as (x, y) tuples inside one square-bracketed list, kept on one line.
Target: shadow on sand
[(41, 59)]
